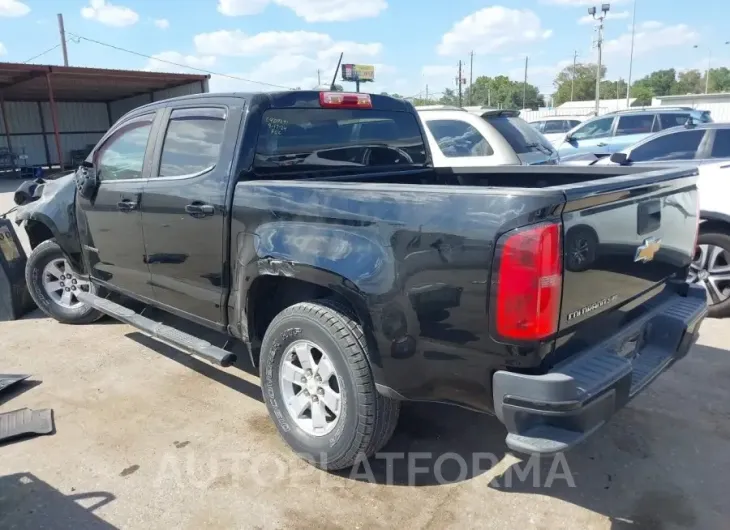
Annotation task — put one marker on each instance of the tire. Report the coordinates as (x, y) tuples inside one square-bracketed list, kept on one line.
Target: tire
[(366, 419), (75, 312), (721, 308)]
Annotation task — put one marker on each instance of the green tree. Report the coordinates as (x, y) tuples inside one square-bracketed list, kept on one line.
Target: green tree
[(643, 95), (689, 82), (502, 92), (719, 80), (449, 97), (660, 82), (613, 89), (584, 88)]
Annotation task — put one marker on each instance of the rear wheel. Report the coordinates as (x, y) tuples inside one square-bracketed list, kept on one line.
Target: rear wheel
[(53, 285), (319, 388), (711, 269)]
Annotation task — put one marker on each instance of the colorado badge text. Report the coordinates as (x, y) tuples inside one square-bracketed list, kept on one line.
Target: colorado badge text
[(648, 249)]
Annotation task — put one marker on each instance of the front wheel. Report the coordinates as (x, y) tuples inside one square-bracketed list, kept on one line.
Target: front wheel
[(53, 285), (711, 269), (319, 389)]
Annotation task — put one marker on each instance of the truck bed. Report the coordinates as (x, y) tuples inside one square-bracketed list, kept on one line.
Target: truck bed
[(419, 260)]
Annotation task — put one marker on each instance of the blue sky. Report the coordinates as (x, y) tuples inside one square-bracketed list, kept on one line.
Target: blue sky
[(413, 43)]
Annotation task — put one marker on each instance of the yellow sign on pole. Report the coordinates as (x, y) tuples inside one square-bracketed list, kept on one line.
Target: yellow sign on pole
[(358, 72)]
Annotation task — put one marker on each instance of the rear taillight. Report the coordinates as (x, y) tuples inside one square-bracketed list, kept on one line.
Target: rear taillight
[(529, 284), (345, 100)]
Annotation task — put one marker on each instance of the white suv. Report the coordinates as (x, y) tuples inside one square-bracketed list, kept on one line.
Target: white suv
[(460, 138)]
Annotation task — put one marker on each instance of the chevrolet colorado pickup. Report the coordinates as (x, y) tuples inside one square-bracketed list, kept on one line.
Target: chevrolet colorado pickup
[(313, 228)]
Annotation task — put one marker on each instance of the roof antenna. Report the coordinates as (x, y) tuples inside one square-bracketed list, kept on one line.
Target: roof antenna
[(334, 77)]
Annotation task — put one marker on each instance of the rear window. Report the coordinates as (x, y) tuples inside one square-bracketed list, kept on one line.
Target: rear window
[(458, 139), (670, 120), (636, 124), (297, 139), (519, 134)]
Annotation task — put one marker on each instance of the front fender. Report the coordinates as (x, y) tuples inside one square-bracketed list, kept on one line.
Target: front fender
[(55, 210)]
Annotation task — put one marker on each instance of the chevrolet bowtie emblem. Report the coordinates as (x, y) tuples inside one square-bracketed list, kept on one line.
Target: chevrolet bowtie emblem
[(648, 249)]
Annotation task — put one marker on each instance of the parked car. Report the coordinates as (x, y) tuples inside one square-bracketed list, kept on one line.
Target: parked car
[(706, 146), (459, 138), (313, 228), (554, 128), (615, 131), (711, 264), (687, 146)]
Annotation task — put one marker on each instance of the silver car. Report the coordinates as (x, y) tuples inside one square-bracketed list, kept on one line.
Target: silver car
[(690, 145)]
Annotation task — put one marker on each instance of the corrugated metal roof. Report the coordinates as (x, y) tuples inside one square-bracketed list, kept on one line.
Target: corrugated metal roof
[(28, 82)]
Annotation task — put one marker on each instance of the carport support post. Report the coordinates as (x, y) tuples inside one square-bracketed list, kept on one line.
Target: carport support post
[(5, 122), (54, 117)]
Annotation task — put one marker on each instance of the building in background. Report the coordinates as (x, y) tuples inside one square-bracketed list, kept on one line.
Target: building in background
[(50, 115)]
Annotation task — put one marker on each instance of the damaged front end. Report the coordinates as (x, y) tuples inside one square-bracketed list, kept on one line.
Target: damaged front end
[(47, 210)]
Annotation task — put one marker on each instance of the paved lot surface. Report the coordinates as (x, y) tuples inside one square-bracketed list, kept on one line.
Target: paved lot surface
[(150, 438)]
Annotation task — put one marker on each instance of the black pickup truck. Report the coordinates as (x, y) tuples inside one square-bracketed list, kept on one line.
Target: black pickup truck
[(311, 227)]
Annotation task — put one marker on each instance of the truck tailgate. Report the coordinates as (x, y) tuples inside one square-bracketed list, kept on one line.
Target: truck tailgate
[(624, 236)]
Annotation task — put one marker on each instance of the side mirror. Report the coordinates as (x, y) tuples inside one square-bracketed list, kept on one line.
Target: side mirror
[(619, 158), (87, 181), (569, 138)]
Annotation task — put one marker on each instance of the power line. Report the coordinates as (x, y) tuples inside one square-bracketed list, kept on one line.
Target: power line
[(176, 64), (42, 53)]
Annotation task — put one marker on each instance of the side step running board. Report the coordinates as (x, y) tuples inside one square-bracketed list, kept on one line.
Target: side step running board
[(167, 334)]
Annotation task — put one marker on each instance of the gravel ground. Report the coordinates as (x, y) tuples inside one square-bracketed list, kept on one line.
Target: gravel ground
[(147, 437)]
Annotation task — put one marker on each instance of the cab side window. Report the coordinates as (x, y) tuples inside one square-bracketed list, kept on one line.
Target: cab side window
[(599, 128), (192, 141), (122, 155)]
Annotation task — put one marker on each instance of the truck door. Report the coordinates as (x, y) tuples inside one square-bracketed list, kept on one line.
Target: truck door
[(110, 226), (184, 207)]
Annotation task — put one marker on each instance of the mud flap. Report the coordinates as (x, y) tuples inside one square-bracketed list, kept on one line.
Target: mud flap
[(15, 300), (25, 421)]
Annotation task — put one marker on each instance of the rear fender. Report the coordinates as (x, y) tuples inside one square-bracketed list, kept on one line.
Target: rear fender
[(55, 210)]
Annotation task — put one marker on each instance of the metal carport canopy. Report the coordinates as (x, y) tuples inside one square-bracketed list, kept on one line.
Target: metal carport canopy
[(30, 82)]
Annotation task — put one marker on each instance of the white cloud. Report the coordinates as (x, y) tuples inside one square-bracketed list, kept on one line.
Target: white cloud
[(3, 49), (237, 8), (158, 62), (334, 10), (238, 44), (650, 37), (612, 15), (13, 8), (109, 14), (493, 29), (162, 23), (309, 10)]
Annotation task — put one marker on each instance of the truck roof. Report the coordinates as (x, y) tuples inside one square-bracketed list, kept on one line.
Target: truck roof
[(285, 98)]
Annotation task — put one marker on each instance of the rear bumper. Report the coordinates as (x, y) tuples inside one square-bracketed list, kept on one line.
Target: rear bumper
[(546, 414)]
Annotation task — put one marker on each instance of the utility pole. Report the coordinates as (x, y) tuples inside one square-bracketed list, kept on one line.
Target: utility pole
[(572, 81), (707, 77), (631, 59), (62, 32), (319, 78), (427, 93), (471, 76), (459, 80), (524, 87), (599, 44)]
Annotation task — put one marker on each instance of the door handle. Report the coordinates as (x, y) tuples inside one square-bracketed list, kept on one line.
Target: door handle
[(126, 205), (198, 209), (602, 144)]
